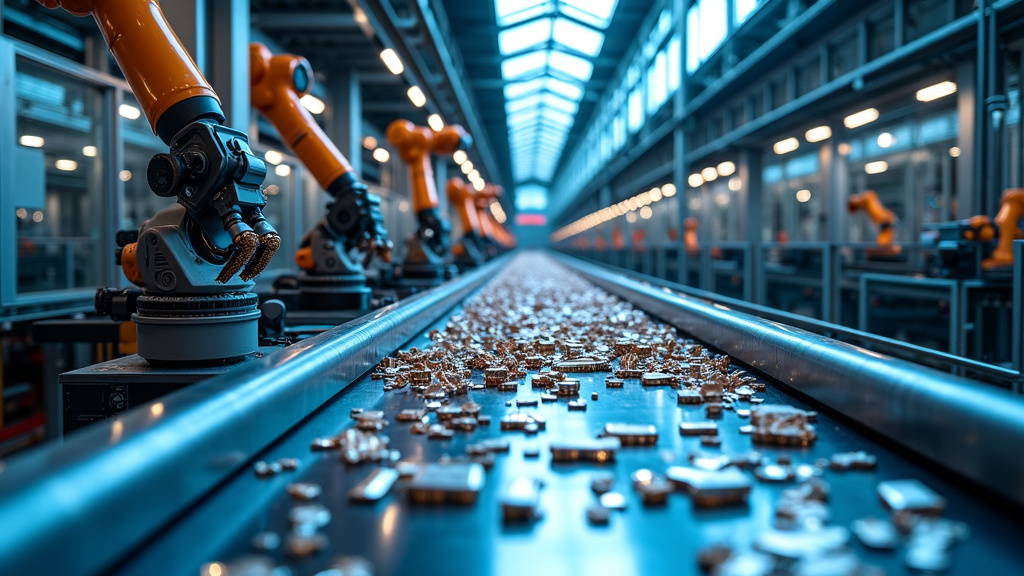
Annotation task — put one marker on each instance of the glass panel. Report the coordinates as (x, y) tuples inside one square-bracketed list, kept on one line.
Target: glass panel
[(525, 35), (636, 111), (513, 106), (577, 36), (559, 103), (596, 12), (524, 64), (517, 89), (140, 144), (712, 26), (743, 10), (565, 89), (59, 158), (692, 38), (673, 64), (532, 197), (574, 66), (513, 11), (657, 90), (556, 116)]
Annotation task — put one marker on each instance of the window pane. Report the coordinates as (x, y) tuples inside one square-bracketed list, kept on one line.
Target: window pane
[(513, 106), (692, 38), (567, 89), (524, 36), (712, 26), (596, 12), (574, 66), (743, 9), (578, 37), (559, 103), (636, 111), (524, 64), (512, 11), (673, 64), (518, 89), (59, 158)]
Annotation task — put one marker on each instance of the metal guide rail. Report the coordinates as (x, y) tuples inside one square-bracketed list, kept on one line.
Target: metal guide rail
[(188, 488)]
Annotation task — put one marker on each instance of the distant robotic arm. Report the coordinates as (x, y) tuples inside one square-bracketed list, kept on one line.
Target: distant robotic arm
[(415, 145), (354, 219), (880, 216), (1011, 210)]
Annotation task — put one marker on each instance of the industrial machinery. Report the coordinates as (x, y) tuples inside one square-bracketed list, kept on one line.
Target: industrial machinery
[(195, 261), (429, 254), (470, 251), (330, 278), (882, 218), (499, 238), (980, 246)]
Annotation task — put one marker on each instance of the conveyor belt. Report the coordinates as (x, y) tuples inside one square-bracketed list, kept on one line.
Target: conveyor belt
[(399, 538)]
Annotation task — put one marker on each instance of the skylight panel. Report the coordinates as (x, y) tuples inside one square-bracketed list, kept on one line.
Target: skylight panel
[(576, 36), (512, 11), (571, 65), (513, 106), (518, 89), (523, 117), (556, 116), (559, 103), (568, 90), (524, 64), (595, 12), (524, 36)]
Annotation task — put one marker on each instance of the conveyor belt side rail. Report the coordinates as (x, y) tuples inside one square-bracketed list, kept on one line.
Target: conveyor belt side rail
[(949, 420)]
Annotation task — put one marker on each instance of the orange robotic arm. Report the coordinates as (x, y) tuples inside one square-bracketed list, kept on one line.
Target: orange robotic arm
[(277, 84), (877, 212), (1011, 210), (462, 197), (210, 167), (415, 145), (690, 241)]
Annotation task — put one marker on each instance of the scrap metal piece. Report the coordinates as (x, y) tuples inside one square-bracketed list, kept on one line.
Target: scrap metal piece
[(802, 543), (514, 421), (876, 533), (266, 469), (589, 449), (303, 490), (315, 515), (655, 492), (613, 383), (705, 427), (613, 501), (687, 396), (455, 483), (520, 501), (712, 488), (569, 387), (300, 545), (583, 365), (602, 483), (775, 473), (859, 460), (598, 515), (411, 415), (632, 434), (578, 405), (782, 425), (375, 486), (910, 495), (658, 379)]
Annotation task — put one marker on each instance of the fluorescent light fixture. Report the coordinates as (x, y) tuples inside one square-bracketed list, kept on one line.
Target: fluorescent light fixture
[(860, 118), (735, 184), (282, 170), (467, 166), (885, 140), (274, 157), (786, 146), (726, 169), (369, 142), (655, 195), (381, 155), (631, 217), (646, 212), (478, 185), (818, 134), (66, 165), (695, 180), (128, 111), (89, 151), (392, 61), (876, 167), (803, 195), (460, 156), (954, 152), (313, 104), (936, 91), (31, 141), (37, 216), (709, 174), (125, 175), (435, 122), (417, 97), (845, 148), (475, 174), (668, 190)]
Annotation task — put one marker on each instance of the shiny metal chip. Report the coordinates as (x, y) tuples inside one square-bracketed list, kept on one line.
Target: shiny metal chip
[(375, 486), (632, 434), (586, 449), (455, 483)]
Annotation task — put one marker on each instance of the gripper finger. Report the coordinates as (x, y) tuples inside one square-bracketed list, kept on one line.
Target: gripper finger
[(246, 244), (269, 244)]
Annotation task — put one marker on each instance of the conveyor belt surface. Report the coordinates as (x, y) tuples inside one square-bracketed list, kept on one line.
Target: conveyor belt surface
[(397, 536)]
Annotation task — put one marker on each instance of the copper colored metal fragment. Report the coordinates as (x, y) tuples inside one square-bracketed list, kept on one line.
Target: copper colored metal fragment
[(519, 421), (375, 486), (687, 396), (712, 488), (588, 449), (520, 501), (782, 425), (658, 379), (859, 460), (456, 483), (910, 495), (598, 515), (612, 383), (411, 415), (632, 434), (577, 405), (583, 365), (303, 490)]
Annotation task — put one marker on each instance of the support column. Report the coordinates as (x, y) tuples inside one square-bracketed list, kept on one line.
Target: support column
[(836, 190), (228, 59), (968, 191), (345, 120), (749, 197)]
